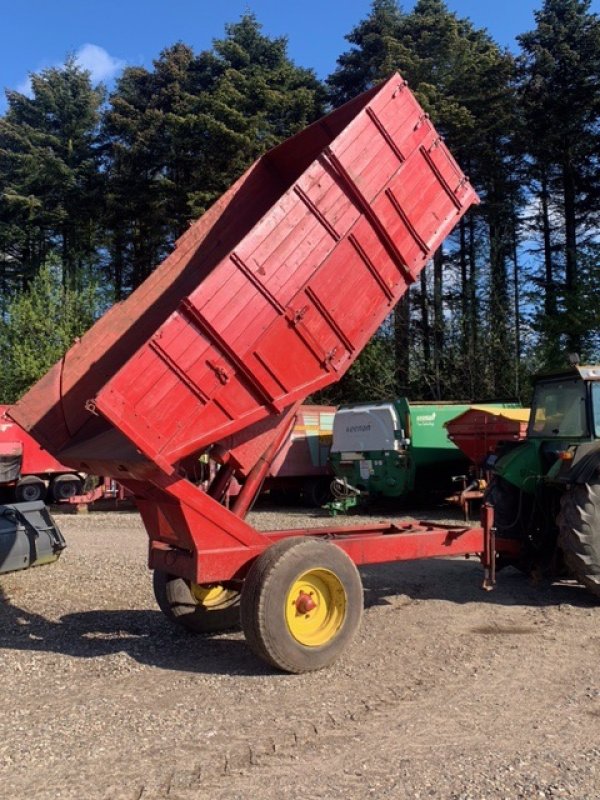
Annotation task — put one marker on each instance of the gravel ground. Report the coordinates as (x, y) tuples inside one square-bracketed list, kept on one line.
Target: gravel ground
[(448, 692)]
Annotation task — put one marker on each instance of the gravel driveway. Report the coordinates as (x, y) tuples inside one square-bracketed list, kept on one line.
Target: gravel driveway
[(448, 692)]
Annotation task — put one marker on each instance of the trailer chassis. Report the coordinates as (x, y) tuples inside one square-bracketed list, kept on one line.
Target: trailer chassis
[(206, 557)]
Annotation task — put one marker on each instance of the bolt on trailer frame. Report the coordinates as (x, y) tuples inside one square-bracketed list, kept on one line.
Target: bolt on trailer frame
[(268, 297)]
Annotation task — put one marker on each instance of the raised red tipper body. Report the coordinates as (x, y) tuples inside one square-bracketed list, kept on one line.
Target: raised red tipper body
[(269, 296)]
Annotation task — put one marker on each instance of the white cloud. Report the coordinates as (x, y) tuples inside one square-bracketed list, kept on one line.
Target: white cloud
[(101, 65), (25, 87)]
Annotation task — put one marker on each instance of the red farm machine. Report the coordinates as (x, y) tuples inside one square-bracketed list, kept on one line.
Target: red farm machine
[(301, 468), (482, 433), (268, 297), (27, 471)]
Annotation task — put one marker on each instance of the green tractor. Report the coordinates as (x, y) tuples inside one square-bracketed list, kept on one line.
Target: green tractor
[(546, 489)]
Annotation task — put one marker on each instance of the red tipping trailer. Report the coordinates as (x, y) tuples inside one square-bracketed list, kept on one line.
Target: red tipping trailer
[(27, 471), (269, 296)]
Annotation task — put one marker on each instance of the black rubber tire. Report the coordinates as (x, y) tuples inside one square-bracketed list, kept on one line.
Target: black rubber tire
[(284, 497), (579, 534), (176, 601), (315, 492), (65, 486), (30, 489), (264, 596)]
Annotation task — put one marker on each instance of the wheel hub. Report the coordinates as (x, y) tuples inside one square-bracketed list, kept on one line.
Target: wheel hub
[(305, 604), (316, 607), (211, 595)]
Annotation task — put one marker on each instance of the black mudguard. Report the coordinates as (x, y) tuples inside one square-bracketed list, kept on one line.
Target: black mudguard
[(585, 467)]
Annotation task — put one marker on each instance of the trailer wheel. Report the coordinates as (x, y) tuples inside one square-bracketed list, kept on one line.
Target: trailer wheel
[(65, 486), (30, 489), (315, 492), (198, 608), (579, 533), (301, 604)]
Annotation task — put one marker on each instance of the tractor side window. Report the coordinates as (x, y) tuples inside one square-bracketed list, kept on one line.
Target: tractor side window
[(559, 409), (596, 408)]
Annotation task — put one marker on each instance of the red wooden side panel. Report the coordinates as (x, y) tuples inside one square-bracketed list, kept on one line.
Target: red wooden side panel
[(347, 214), (291, 307)]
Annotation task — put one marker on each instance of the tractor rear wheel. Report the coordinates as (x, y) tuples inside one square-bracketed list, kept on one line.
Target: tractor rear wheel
[(301, 604), (579, 533), (198, 608)]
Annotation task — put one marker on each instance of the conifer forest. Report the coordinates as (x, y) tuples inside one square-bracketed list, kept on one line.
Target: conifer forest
[(96, 186)]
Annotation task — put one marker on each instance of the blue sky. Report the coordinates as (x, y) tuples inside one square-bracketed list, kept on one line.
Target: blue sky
[(110, 34)]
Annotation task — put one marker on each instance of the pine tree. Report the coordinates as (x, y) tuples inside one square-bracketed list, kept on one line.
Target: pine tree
[(39, 325), (560, 68), (252, 96), (178, 135), (51, 200), (375, 53), (134, 134), (466, 83)]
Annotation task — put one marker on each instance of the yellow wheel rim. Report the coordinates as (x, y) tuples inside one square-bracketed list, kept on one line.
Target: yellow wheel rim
[(315, 607), (211, 595)]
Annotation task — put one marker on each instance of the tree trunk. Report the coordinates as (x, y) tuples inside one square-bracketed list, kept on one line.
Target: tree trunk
[(549, 285), (425, 326), (499, 342), (438, 322), (465, 298), (401, 345), (517, 310), (473, 322), (573, 332)]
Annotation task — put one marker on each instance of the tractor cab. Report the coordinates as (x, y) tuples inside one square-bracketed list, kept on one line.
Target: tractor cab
[(564, 427), (565, 419), (567, 406)]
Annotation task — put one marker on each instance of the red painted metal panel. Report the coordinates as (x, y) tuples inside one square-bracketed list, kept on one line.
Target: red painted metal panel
[(258, 305), (34, 459), (478, 431)]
